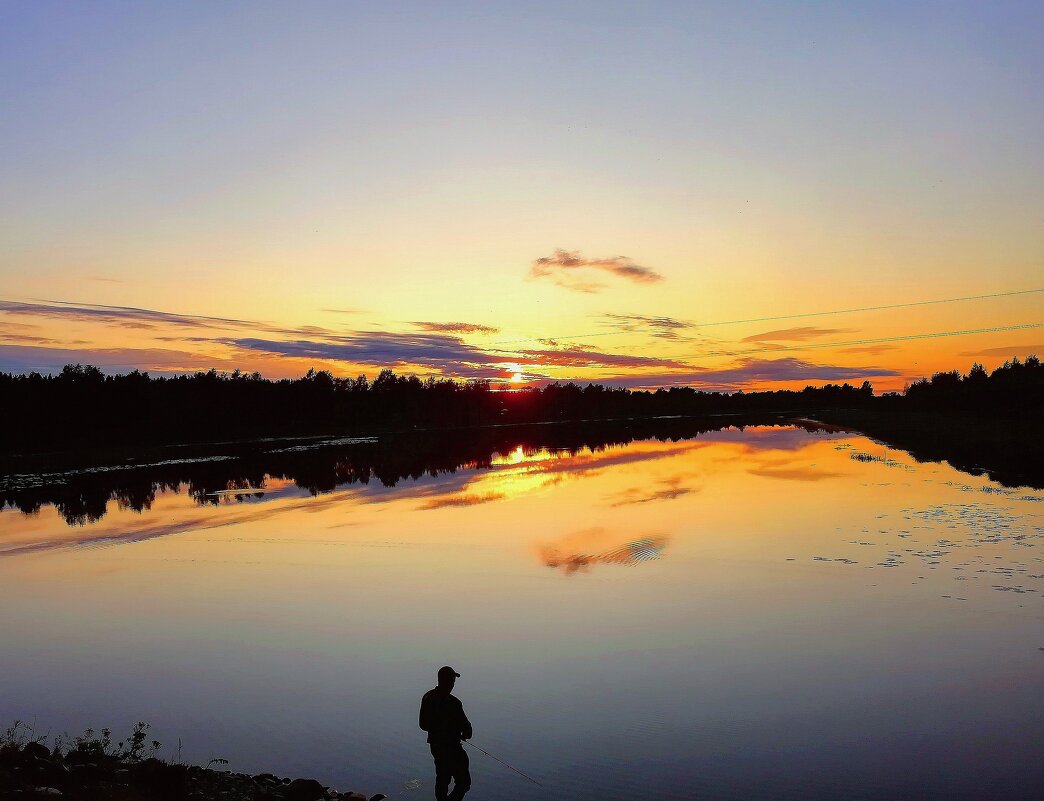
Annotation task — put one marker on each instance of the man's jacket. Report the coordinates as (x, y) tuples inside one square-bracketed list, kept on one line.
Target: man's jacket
[(442, 717)]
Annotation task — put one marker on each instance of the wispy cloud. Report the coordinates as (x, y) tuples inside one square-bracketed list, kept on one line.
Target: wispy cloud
[(1007, 351), (795, 334), (26, 359), (444, 353), (662, 327), (561, 267), (138, 318), (345, 311), (105, 279), (584, 356), (456, 328)]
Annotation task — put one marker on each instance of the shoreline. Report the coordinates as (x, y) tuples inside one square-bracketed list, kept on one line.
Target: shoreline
[(92, 768)]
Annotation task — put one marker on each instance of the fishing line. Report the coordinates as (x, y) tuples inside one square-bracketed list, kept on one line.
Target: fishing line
[(502, 762), (911, 304)]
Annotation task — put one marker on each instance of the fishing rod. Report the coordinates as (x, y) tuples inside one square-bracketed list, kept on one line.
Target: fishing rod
[(502, 762)]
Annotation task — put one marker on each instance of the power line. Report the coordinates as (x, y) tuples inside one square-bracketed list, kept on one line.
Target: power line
[(884, 307), (877, 341)]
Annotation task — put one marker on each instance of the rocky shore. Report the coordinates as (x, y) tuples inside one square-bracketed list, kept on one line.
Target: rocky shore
[(92, 769)]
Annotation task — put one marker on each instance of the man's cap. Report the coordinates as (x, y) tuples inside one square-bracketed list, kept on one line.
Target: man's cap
[(446, 670)]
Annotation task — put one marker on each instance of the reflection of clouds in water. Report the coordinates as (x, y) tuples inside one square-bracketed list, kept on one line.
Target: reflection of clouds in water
[(763, 438), (462, 500), (670, 489), (582, 550), (795, 473)]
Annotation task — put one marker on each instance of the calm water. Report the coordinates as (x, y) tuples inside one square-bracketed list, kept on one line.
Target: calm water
[(772, 613)]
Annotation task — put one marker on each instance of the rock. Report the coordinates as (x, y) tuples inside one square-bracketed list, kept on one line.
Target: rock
[(379, 797), (36, 750), (305, 790)]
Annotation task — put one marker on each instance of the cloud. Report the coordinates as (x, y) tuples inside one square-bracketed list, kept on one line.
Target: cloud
[(136, 318), (582, 356), (868, 349), (105, 280), (558, 266), (747, 371), (795, 334), (448, 354), (344, 311), (456, 328), (663, 327), (1006, 351)]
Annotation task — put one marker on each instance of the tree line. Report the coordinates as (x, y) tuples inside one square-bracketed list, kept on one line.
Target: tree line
[(82, 406)]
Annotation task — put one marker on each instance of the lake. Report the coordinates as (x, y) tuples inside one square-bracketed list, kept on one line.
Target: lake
[(666, 610)]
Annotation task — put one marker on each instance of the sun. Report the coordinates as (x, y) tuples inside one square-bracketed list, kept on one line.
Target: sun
[(516, 378)]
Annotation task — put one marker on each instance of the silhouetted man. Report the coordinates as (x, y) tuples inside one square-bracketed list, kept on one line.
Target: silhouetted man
[(442, 717)]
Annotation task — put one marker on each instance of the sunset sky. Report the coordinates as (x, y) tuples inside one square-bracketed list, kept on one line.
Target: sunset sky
[(724, 195)]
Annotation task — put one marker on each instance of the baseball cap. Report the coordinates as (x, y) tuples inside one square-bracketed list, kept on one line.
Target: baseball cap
[(446, 670)]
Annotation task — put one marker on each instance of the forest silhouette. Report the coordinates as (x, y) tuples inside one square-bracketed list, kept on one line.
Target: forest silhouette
[(976, 422), (83, 407)]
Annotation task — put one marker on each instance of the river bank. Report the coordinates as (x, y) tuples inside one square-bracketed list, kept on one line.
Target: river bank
[(92, 768)]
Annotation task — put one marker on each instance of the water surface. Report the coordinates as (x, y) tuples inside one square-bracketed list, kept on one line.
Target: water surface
[(777, 612)]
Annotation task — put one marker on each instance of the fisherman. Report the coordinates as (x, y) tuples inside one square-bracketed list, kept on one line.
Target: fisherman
[(442, 717)]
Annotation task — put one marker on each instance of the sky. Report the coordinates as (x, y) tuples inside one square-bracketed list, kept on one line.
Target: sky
[(722, 195)]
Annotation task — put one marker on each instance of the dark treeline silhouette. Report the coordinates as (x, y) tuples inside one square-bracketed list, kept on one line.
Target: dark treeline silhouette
[(83, 411), (81, 406), (1013, 387), (322, 466)]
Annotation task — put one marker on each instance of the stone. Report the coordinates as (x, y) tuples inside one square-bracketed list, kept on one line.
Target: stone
[(305, 790), (36, 750)]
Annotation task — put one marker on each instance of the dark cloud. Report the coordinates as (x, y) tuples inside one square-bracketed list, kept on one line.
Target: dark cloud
[(582, 356), (135, 318), (746, 372), (26, 359), (795, 334), (558, 267), (662, 327), (448, 354), (456, 328)]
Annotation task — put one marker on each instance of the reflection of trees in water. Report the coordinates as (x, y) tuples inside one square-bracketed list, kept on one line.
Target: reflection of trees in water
[(83, 497)]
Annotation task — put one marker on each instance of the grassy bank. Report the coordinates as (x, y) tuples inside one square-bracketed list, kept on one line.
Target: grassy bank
[(91, 767)]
